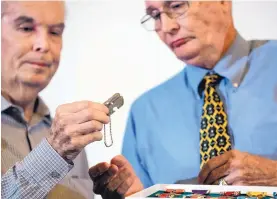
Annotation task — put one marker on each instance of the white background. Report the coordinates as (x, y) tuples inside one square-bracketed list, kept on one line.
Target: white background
[(107, 51)]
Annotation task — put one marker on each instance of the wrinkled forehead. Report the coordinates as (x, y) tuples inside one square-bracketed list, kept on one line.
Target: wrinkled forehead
[(198, 5), (158, 5), (44, 12), (155, 4)]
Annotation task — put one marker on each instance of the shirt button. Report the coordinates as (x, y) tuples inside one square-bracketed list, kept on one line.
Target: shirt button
[(55, 174)]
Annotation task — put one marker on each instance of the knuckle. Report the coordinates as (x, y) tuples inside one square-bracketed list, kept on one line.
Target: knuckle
[(59, 110), (62, 122), (93, 124), (87, 103), (234, 153), (88, 114), (68, 130)]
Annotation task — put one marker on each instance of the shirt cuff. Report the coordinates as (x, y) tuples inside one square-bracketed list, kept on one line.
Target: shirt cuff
[(45, 165)]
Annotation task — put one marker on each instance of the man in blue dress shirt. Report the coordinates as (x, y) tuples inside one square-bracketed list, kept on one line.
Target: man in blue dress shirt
[(162, 138)]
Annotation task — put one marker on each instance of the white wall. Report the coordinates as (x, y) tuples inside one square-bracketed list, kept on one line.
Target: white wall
[(107, 51)]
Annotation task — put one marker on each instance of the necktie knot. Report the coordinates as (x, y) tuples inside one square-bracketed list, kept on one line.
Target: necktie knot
[(212, 80)]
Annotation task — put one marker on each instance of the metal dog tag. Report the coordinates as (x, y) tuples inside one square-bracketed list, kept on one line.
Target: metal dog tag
[(113, 103)]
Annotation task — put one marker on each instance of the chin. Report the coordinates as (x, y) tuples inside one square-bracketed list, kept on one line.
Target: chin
[(191, 58), (36, 82), (188, 53)]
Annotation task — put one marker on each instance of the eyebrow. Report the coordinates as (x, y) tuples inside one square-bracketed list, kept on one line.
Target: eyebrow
[(25, 19), (60, 25)]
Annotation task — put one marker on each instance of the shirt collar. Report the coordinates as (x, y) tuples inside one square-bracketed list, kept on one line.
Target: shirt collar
[(231, 66), (4, 104), (40, 108)]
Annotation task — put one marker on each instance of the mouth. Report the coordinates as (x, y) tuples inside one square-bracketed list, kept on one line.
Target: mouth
[(179, 42), (40, 63)]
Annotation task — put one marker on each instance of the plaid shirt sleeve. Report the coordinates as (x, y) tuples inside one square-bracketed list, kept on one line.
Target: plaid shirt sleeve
[(36, 175)]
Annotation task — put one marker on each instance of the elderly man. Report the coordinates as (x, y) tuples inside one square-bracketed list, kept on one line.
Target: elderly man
[(40, 157), (214, 121)]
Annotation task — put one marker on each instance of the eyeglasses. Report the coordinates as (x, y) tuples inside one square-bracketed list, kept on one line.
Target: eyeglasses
[(152, 20)]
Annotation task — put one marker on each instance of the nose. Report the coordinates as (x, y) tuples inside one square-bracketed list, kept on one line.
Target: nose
[(168, 25), (41, 43)]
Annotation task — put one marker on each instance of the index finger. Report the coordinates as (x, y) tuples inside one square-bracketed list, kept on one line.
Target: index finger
[(98, 169), (100, 107), (211, 165), (75, 107)]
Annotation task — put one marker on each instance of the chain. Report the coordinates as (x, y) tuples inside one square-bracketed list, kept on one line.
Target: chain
[(105, 136)]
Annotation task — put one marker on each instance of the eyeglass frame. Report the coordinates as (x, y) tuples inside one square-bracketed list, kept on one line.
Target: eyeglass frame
[(160, 13)]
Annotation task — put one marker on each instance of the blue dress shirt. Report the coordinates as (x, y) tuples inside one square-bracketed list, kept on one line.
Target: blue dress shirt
[(162, 134)]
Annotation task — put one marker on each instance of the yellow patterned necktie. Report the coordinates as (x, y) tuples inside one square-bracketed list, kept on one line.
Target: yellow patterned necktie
[(214, 137)]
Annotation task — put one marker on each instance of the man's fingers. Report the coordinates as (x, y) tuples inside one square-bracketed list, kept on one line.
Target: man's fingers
[(80, 105), (83, 129), (113, 169), (98, 169), (83, 140), (218, 173), (123, 188), (234, 178), (119, 161), (72, 107), (108, 175), (119, 179), (83, 116), (101, 181), (212, 164), (91, 114)]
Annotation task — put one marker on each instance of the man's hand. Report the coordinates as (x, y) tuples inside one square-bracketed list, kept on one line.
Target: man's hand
[(76, 125), (239, 168), (115, 180)]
